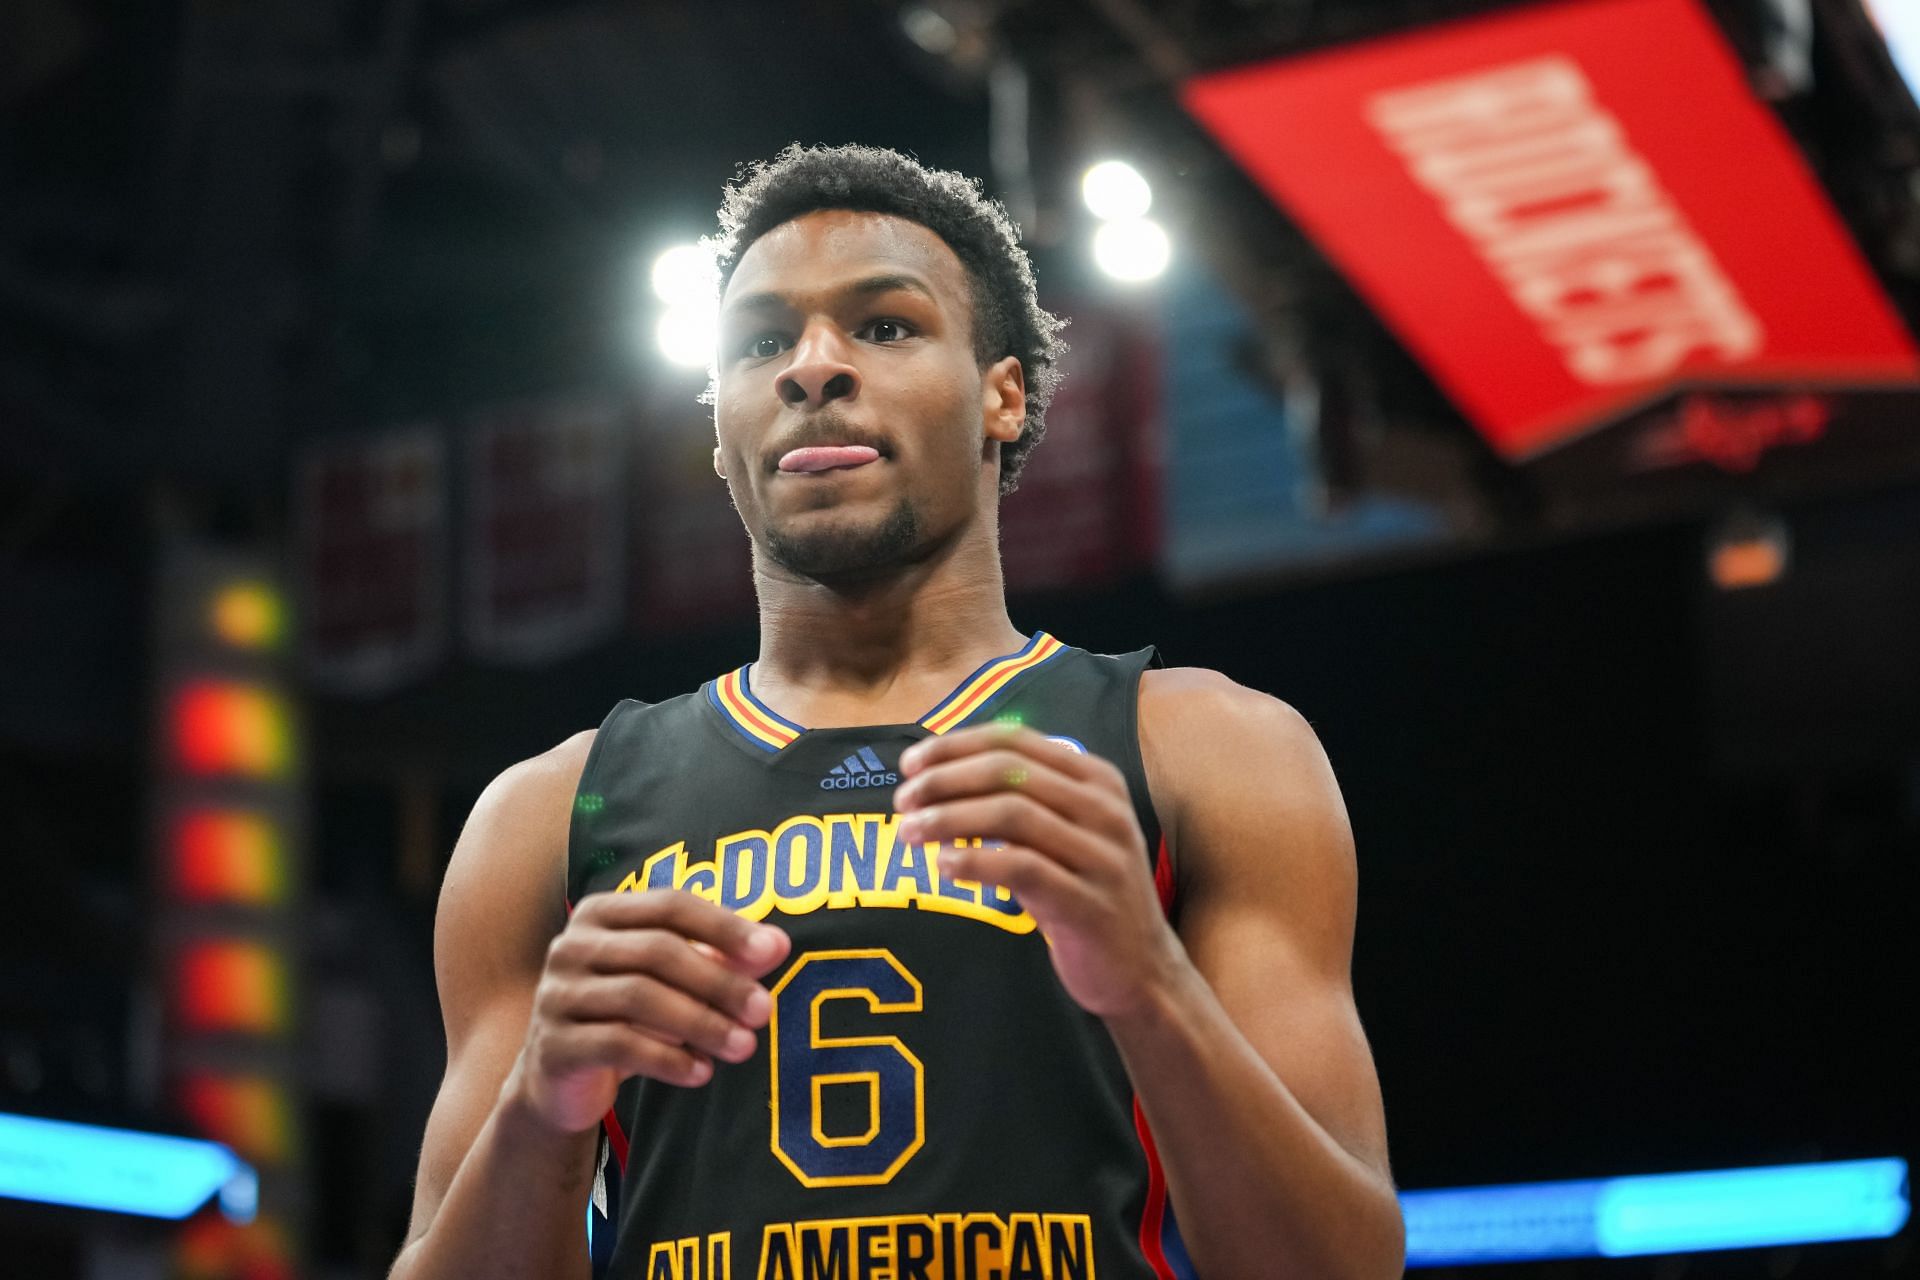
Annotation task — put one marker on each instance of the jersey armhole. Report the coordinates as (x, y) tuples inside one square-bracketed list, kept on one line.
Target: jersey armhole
[(576, 811), (1159, 847)]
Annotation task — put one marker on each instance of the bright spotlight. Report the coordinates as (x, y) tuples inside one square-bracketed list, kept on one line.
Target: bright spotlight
[(685, 276), (1115, 191), (1133, 250), (686, 335)]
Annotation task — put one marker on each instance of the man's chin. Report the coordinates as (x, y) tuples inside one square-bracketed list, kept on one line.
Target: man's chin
[(839, 545)]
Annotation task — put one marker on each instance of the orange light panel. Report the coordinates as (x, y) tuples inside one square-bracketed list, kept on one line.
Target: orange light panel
[(211, 1248), (248, 615), (249, 1114), (228, 855), (230, 727), (232, 986), (1755, 562)]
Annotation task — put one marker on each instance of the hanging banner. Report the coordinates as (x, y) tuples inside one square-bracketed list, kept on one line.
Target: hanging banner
[(1087, 511), (372, 516), (1562, 209), (544, 552), (693, 570)]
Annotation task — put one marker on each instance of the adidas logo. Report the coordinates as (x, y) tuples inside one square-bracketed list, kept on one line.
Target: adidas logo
[(861, 769)]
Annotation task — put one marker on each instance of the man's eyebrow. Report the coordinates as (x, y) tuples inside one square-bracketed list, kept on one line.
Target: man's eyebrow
[(865, 287)]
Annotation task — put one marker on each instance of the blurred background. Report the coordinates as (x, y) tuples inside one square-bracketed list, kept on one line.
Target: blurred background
[(1527, 392)]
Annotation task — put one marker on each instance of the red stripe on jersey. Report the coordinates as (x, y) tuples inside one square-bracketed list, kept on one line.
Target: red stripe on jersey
[(616, 1138), (1155, 1212), (1163, 877)]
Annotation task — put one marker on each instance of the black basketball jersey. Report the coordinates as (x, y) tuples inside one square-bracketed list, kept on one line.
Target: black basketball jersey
[(928, 1102)]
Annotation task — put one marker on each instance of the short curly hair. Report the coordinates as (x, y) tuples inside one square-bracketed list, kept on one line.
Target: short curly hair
[(1008, 319)]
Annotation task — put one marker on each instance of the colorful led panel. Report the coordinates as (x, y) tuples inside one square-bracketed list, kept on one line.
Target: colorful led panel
[(248, 615), (117, 1170), (1656, 1213), (230, 727), (249, 1114), (209, 1249), (228, 855), (232, 986)]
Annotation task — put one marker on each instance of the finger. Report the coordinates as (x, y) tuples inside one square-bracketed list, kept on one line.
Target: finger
[(1014, 819), (986, 737), (651, 1006), (749, 947), (990, 772), (1042, 885), (692, 967), (620, 1048)]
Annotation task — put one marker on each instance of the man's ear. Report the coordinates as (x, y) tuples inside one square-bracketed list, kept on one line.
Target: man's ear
[(1003, 399), (719, 467)]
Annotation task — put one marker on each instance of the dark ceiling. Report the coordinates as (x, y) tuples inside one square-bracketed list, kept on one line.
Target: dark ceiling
[(231, 227)]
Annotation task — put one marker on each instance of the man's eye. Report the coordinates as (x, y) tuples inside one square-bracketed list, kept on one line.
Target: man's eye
[(765, 345), (887, 330)]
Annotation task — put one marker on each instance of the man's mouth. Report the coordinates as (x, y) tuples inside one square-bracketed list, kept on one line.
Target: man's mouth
[(832, 457)]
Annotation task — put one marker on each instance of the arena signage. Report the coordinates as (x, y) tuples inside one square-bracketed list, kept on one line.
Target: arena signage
[(1564, 209)]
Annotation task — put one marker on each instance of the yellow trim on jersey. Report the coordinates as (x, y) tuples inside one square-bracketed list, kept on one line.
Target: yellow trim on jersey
[(989, 680), (758, 723), (767, 728)]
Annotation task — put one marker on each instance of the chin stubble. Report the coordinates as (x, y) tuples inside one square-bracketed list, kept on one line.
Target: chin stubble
[(844, 552)]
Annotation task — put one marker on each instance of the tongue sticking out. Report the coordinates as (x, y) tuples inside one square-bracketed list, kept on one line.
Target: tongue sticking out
[(828, 457)]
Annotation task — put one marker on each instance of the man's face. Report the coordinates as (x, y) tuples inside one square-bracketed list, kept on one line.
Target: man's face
[(853, 419)]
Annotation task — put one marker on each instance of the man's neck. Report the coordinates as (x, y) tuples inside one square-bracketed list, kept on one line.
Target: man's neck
[(886, 650)]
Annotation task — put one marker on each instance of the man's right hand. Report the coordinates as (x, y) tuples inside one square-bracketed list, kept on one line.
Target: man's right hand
[(655, 984)]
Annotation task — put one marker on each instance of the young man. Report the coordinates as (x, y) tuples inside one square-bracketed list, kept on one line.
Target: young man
[(919, 948)]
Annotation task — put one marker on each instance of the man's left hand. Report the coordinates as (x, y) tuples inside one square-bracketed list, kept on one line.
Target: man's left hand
[(1062, 836)]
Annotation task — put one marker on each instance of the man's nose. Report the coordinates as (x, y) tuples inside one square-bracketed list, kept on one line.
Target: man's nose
[(819, 372)]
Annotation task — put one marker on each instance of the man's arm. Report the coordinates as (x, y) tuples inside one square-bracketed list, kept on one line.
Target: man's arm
[(497, 1194), (545, 1016), (1250, 1062), (1239, 1033)]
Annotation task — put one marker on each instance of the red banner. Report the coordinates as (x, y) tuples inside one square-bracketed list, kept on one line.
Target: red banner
[(544, 555), (693, 567), (1086, 513), (1563, 209), (373, 559)]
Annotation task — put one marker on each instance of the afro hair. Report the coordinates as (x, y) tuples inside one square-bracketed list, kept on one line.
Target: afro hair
[(1007, 317)]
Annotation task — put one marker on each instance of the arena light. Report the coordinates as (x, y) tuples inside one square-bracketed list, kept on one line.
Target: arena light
[(120, 1170), (233, 985), (687, 280), (1133, 250), (209, 1249), (1115, 191), (228, 855), (231, 727), (248, 615), (251, 1114), (1748, 549), (932, 30), (686, 335), (1657, 1213), (685, 276)]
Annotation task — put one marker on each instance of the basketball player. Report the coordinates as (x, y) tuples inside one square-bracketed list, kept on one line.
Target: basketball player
[(919, 948)]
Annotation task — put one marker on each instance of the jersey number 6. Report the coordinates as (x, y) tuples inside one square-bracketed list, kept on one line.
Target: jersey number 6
[(806, 1062)]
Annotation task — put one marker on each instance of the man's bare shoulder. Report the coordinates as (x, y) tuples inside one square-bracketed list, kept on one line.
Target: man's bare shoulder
[(508, 868), (559, 766), (1230, 767), (533, 792), (1196, 710)]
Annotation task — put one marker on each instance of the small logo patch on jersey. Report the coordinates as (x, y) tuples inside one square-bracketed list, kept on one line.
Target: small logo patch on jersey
[(861, 769)]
